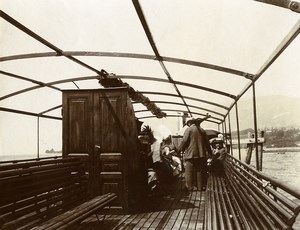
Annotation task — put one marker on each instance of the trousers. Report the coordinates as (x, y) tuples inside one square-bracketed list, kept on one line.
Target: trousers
[(195, 173)]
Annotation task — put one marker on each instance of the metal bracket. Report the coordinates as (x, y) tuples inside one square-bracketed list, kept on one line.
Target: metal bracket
[(294, 6), (266, 184)]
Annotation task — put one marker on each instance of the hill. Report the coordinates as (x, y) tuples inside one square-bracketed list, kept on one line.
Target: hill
[(272, 112)]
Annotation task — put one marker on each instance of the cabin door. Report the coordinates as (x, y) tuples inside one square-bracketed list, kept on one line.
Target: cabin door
[(109, 145), (107, 109), (91, 130), (78, 133)]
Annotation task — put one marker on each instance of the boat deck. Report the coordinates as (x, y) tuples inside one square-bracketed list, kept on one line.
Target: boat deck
[(181, 211), (178, 212)]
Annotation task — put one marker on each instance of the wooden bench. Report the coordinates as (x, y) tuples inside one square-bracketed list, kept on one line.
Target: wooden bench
[(77, 214), (37, 190), (247, 199), (219, 211)]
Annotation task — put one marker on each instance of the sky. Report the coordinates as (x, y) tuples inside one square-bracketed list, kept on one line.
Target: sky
[(241, 34)]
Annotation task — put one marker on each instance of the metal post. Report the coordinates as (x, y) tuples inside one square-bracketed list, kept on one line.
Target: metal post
[(223, 131), (238, 130), (230, 139), (38, 137), (225, 135), (255, 127)]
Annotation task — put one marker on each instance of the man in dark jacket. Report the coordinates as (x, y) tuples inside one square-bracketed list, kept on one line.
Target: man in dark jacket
[(196, 147)]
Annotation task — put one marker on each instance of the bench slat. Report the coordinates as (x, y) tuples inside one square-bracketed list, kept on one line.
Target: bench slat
[(294, 207), (218, 203), (78, 213), (222, 190), (34, 191), (242, 200), (264, 202), (36, 169), (251, 214)]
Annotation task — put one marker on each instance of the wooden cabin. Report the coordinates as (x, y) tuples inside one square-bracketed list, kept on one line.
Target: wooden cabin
[(100, 127)]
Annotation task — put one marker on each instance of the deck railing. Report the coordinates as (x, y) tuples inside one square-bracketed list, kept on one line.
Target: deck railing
[(263, 179), (272, 201)]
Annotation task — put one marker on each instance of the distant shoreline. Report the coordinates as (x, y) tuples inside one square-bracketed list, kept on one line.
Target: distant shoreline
[(282, 149)]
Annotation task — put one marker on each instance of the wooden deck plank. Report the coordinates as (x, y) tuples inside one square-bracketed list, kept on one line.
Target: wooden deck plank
[(188, 213), (127, 223), (175, 216), (156, 215), (157, 223), (168, 221), (163, 215), (181, 212), (173, 213), (201, 210), (180, 222), (195, 211), (136, 222)]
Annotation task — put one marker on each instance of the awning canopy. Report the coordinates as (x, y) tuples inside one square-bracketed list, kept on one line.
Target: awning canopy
[(193, 57)]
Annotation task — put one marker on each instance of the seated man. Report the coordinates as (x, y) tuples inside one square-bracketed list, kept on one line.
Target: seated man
[(218, 157), (169, 154)]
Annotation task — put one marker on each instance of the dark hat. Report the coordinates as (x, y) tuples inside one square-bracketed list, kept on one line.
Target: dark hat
[(216, 140), (190, 120)]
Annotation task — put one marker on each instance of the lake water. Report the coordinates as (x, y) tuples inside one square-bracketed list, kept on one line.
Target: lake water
[(24, 157), (284, 166)]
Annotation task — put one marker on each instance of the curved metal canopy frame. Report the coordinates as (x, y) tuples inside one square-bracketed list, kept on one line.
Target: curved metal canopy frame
[(182, 111), (157, 57), (51, 85), (70, 56), (129, 55), (146, 117), (192, 106)]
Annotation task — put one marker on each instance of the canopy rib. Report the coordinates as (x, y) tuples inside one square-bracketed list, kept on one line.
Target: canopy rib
[(51, 109), (28, 113), (192, 106), (179, 83), (155, 50), (182, 111), (125, 77), (41, 84), (289, 38), (45, 42), (131, 55), (147, 117), (29, 32), (186, 97)]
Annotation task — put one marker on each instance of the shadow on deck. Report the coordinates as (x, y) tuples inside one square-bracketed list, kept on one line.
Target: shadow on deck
[(178, 212)]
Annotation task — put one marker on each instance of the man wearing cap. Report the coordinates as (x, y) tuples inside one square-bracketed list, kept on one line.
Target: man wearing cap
[(218, 157), (196, 148)]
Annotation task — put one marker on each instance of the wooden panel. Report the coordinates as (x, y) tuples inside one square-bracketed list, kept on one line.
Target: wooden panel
[(77, 122), (111, 162), (114, 184), (110, 134), (112, 179), (109, 117), (31, 191), (78, 129)]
